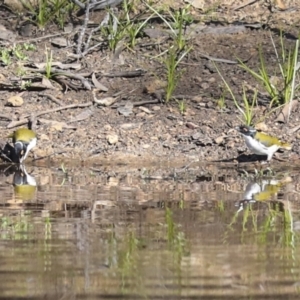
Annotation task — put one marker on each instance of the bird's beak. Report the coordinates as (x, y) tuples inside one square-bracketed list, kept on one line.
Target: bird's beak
[(238, 128), (20, 150)]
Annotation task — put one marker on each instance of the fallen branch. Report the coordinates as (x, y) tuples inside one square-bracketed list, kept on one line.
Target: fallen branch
[(244, 4), (5, 117), (221, 60), (24, 120), (49, 36), (55, 72), (83, 29), (134, 73), (140, 103), (63, 81), (294, 129)]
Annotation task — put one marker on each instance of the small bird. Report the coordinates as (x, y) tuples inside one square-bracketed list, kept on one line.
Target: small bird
[(24, 140), (260, 143)]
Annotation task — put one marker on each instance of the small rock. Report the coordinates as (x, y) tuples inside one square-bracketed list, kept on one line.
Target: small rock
[(262, 126), (197, 99), (171, 117), (191, 125), (155, 107), (210, 104), (145, 109), (7, 35), (3, 78), (204, 85), (26, 29), (219, 140), (45, 82), (126, 110), (44, 137), (199, 4), (40, 152), (107, 127), (197, 136), (146, 146), (57, 126), (198, 79), (107, 101), (204, 141), (60, 42), (128, 126), (230, 144), (155, 33), (68, 28), (15, 101), (141, 115), (153, 86), (112, 139)]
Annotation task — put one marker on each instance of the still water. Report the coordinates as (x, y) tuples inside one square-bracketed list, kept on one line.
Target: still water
[(148, 233)]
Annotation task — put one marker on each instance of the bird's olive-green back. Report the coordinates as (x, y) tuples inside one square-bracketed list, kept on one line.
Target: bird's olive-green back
[(23, 134), (268, 141)]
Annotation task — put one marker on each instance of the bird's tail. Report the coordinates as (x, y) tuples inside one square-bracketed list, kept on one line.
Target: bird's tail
[(286, 146)]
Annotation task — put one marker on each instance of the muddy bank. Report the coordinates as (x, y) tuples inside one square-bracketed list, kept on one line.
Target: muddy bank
[(194, 125)]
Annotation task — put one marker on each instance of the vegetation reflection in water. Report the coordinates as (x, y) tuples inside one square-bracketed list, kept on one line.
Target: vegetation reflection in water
[(149, 238)]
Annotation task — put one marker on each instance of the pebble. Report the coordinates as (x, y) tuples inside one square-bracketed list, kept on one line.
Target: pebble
[(15, 101), (145, 109), (204, 85), (140, 115), (112, 139), (107, 127), (219, 140), (155, 108), (191, 125)]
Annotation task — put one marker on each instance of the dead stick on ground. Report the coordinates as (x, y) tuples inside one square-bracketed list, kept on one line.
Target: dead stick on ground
[(83, 29), (44, 37), (5, 117), (25, 118), (221, 60), (56, 72), (245, 4), (52, 98), (140, 103)]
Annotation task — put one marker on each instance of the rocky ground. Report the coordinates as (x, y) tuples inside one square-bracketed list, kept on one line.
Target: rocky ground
[(197, 123)]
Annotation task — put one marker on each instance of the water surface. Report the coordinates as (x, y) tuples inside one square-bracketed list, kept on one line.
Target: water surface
[(148, 233)]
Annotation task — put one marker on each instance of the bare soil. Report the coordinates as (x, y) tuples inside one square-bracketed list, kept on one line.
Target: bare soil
[(153, 131)]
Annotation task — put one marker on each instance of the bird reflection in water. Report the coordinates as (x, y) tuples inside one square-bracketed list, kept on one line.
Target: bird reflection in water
[(263, 190)]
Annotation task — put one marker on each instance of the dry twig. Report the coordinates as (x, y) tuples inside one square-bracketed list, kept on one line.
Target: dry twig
[(55, 73), (5, 117), (52, 98), (24, 120)]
